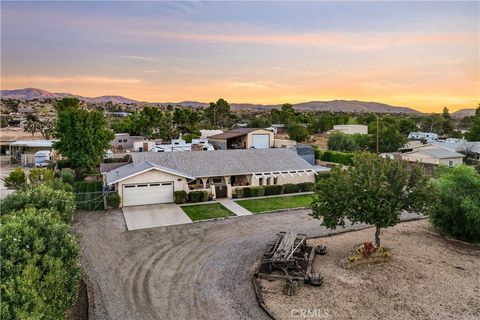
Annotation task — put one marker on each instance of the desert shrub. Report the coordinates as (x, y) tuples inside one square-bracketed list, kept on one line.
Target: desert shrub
[(239, 192), (38, 175), (40, 197), (64, 163), (273, 190), (306, 186), (113, 200), (67, 175), (290, 188), (58, 184), (457, 209), (180, 196), (338, 157), (341, 142), (198, 196), (16, 179), (39, 280)]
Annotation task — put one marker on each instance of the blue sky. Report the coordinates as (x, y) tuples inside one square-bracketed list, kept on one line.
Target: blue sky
[(420, 54)]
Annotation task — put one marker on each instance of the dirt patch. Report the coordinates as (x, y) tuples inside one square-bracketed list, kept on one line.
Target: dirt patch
[(428, 277), (79, 310)]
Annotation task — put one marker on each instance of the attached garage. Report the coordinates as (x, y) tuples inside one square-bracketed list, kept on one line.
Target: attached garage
[(147, 193), (261, 141)]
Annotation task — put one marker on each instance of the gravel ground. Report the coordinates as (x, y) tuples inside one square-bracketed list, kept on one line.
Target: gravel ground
[(194, 271), (429, 277)]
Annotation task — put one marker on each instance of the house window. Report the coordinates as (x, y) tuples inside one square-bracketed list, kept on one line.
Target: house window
[(260, 181), (275, 180), (120, 141), (217, 180), (124, 140), (450, 163)]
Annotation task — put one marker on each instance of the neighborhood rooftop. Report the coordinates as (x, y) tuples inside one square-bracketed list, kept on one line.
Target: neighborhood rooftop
[(213, 163), (233, 133), (34, 143), (440, 153)]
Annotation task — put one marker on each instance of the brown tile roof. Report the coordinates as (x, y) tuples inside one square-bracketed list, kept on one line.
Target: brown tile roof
[(233, 133)]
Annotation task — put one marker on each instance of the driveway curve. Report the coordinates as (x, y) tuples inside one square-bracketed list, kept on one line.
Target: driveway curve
[(195, 271)]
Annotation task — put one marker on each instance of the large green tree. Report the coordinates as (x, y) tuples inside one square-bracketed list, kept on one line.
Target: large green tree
[(42, 196), (373, 191), (473, 133), (456, 211), (219, 114), (390, 138), (39, 265), (83, 135), (297, 132)]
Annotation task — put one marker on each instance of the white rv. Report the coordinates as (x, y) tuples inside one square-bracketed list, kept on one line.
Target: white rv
[(42, 158)]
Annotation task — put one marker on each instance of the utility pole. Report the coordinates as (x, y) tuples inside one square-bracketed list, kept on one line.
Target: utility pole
[(378, 135)]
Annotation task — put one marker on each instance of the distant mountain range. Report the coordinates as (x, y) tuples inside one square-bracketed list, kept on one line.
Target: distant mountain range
[(335, 105), (463, 113), (34, 93)]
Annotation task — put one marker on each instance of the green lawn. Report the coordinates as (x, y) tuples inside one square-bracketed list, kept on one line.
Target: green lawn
[(206, 211), (276, 203)]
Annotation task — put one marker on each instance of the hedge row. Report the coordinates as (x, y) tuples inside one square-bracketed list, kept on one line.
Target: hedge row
[(345, 158), (259, 191), (181, 197)]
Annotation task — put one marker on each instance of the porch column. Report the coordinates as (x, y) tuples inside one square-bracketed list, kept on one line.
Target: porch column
[(229, 186), (212, 191), (204, 182)]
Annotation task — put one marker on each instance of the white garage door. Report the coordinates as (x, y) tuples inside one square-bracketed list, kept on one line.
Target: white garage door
[(261, 141), (147, 193)]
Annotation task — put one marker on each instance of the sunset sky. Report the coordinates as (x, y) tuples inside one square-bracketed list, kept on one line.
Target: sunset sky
[(424, 55)]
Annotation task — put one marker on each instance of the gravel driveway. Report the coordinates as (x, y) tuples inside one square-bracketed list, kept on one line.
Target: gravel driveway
[(196, 271)]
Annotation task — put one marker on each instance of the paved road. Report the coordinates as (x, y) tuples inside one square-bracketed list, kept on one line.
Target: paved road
[(195, 271)]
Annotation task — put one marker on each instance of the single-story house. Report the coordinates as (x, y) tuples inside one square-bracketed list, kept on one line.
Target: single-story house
[(351, 128), (461, 146), (153, 177), (124, 141), (23, 151), (243, 138), (432, 154)]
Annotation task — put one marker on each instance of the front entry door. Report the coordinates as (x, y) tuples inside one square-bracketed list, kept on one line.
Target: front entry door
[(221, 191)]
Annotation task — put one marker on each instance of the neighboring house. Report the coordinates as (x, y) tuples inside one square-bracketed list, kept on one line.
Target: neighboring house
[(429, 136), (461, 146), (124, 141), (207, 133), (243, 138), (23, 151), (306, 152), (153, 177), (351, 128), (279, 127), (431, 154)]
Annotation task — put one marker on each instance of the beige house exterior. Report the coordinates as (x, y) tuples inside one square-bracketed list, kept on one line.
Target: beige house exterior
[(431, 154), (243, 138), (154, 177)]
